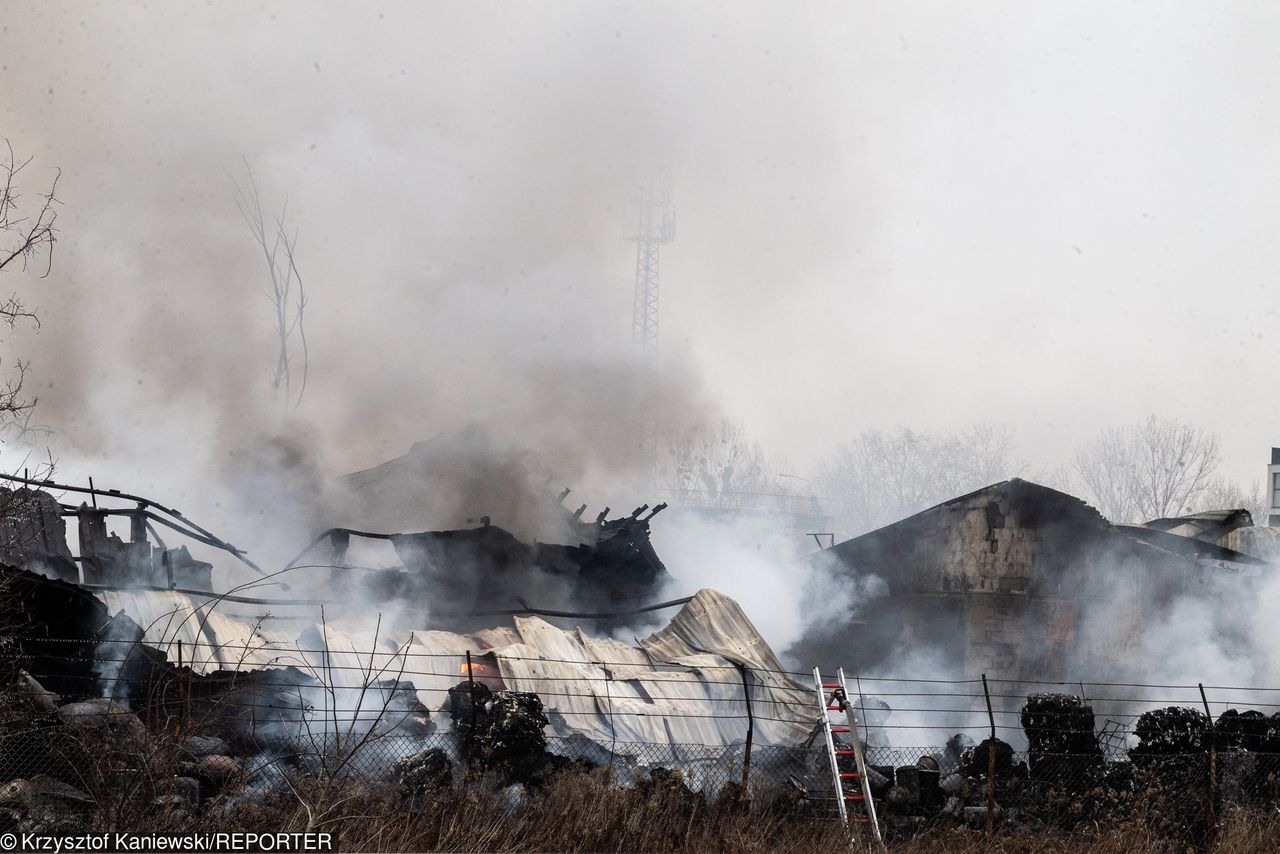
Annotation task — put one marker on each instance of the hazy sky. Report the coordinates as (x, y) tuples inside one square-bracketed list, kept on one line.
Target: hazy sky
[(1063, 216)]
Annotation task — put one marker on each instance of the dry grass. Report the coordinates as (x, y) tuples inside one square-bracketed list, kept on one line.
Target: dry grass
[(574, 812), (581, 812), (1240, 833)]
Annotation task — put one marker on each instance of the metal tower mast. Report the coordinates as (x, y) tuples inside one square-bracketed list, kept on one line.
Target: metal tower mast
[(656, 226)]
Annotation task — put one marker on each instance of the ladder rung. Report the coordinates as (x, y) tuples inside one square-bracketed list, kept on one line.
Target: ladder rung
[(861, 819), (825, 798), (844, 753), (831, 685), (835, 708), (848, 776), (839, 729)]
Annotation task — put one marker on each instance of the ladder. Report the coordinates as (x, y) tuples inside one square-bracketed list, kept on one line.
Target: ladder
[(832, 697)]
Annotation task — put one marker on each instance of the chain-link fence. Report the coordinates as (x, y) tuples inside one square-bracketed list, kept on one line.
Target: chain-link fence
[(1143, 752), (1177, 792)]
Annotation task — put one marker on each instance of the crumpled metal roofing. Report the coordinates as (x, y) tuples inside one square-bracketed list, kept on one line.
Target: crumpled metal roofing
[(681, 685)]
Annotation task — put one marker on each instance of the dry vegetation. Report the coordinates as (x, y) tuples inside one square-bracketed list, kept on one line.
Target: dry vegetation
[(580, 811)]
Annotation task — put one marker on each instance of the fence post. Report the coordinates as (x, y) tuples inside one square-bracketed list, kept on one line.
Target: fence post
[(862, 703), (991, 760), (1213, 770), (471, 693), (613, 730), (182, 703), (751, 725)]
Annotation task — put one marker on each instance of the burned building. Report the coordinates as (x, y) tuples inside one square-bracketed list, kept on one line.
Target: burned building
[(1014, 579), (33, 535)]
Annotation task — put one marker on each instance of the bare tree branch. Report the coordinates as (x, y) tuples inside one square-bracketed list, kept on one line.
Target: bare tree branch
[(26, 238), (1157, 468), (27, 234), (880, 477), (286, 292)]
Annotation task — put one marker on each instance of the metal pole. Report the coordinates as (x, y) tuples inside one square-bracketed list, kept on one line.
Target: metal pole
[(746, 758), (180, 717), (862, 702), (1213, 770), (471, 691), (613, 731), (991, 760)]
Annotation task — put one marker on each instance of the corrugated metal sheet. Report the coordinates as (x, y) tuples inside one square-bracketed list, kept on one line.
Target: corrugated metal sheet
[(211, 639), (681, 685)]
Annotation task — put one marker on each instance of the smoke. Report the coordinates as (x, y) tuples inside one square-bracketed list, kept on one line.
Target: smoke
[(461, 216), (1127, 625), (760, 562), (458, 181), (459, 192)]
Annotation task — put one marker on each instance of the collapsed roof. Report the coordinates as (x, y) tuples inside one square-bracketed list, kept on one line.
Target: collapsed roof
[(136, 624), (683, 684)]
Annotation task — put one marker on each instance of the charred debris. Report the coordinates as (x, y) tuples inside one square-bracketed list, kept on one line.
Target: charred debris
[(73, 669), (61, 628), (610, 563), (1183, 766), (468, 573)]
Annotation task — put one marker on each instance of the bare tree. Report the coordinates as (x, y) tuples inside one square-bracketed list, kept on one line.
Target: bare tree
[(719, 459), (977, 456), (1108, 474), (27, 235), (878, 477), (287, 295), (1157, 468)]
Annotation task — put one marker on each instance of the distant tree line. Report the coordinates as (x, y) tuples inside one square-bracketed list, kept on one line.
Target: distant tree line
[(1158, 467)]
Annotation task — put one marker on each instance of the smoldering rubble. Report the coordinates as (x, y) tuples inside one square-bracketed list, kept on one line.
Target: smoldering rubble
[(126, 644), (127, 640)]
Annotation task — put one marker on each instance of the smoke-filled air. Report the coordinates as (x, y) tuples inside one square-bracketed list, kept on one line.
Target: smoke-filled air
[(670, 415)]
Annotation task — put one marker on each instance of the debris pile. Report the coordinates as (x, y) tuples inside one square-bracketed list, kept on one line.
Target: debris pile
[(426, 772), (502, 730), (1169, 732), (1062, 747), (1249, 730)]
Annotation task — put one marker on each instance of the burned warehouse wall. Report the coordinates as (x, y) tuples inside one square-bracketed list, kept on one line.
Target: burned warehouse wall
[(1015, 579)]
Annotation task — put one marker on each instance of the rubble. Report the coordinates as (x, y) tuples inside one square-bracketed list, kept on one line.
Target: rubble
[(424, 772), (44, 805), (214, 771), (197, 746), (501, 730), (42, 700), (1062, 747), (1250, 730), (615, 562), (1170, 731), (104, 719), (975, 760)]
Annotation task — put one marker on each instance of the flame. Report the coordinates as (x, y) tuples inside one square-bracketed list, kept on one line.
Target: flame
[(478, 668)]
